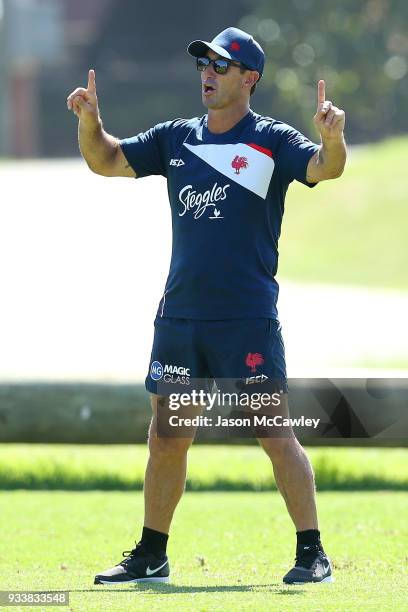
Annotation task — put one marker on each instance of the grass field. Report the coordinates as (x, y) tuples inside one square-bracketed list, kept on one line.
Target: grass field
[(351, 230), (231, 541), (68, 512), (228, 551), (211, 468)]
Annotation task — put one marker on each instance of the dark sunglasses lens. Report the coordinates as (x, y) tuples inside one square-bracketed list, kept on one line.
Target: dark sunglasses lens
[(221, 66), (202, 63)]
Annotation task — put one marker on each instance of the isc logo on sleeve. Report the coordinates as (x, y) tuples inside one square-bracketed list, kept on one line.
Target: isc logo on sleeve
[(176, 162)]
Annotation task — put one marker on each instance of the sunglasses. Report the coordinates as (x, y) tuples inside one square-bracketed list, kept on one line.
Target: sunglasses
[(220, 66)]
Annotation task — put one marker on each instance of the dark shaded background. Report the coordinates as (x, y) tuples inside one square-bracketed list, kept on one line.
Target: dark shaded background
[(144, 74)]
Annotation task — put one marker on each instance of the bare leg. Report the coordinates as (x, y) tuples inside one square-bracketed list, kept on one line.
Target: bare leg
[(294, 476), (165, 472)]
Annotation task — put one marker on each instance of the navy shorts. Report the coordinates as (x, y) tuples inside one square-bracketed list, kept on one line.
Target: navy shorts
[(191, 354)]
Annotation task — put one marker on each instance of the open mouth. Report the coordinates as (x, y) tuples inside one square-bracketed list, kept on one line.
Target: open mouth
[(208, 89)]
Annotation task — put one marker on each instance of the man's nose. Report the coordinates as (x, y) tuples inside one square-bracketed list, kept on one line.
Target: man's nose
[(209, 69)]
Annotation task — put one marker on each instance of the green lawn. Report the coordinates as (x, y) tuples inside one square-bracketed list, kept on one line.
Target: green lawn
[(351, 230), (59, 540), (217, 467), (231, 541)]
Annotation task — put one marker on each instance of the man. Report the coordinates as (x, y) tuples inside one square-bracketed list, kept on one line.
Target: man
[(228, 173)]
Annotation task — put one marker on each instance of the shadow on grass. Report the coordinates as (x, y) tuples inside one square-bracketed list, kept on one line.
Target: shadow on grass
[(328, 481), (170, 589)]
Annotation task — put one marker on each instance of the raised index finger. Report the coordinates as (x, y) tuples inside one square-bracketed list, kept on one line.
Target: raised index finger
[(321, 93), (91, 81)]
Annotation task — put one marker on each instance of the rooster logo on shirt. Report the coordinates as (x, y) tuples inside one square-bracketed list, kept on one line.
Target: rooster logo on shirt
[(238, 163)]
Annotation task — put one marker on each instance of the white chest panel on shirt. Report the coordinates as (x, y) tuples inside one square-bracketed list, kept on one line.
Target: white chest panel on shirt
[(248, 165)]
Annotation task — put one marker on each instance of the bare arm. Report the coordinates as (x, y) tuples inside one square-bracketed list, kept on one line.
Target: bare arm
[(329, 161), (100, 150)]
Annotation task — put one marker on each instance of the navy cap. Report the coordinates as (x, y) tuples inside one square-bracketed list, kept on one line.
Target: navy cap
[(233, 44)]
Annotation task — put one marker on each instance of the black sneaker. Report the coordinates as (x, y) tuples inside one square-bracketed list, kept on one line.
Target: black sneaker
[(138, 566), (312, 565)]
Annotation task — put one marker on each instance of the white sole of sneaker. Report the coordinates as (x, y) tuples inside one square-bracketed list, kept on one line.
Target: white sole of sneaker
[(327, 579), (157, 579)]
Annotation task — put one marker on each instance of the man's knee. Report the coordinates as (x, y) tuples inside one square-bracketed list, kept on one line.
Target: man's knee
[(167, 448), (279, 447), (165, 445)]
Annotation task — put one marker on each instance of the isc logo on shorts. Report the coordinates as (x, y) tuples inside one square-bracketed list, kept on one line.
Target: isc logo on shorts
[(156, 370)]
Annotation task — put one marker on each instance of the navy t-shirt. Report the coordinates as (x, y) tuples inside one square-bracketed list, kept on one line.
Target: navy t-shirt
[(227, 194)]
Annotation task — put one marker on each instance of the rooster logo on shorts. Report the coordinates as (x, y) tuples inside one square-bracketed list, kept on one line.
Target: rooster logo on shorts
[(253, 360)]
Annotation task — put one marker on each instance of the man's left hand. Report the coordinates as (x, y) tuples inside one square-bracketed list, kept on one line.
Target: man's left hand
[(329, 120)]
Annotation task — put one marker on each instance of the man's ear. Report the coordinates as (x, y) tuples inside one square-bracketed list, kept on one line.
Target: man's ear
[(252, 78)]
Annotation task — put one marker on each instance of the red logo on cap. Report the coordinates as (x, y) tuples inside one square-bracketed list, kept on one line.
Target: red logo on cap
[(235, 46)]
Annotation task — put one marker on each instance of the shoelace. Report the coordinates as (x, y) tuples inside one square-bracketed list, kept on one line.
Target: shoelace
[(306, 558), (131, 553)]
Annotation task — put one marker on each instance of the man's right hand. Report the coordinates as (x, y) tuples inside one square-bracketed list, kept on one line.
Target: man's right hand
[(101, 151), (84, 102)]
